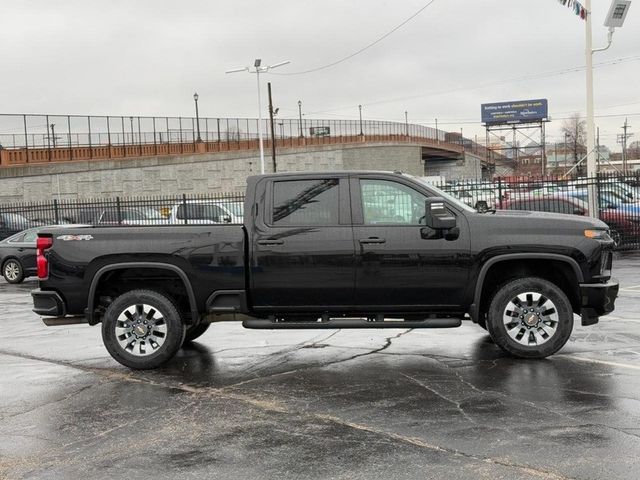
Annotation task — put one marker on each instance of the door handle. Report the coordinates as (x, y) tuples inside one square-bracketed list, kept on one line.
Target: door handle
[(372, 241), (269, 243), (21, 249)]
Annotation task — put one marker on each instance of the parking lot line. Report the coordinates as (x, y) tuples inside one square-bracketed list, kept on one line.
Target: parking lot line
[(603, 362)]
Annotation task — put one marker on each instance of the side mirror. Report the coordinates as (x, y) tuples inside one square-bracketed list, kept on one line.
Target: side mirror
[(578, 211), (436, 214), (226, 218), (481, 206)]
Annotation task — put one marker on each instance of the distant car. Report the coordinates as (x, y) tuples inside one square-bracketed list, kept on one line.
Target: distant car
[(557, 203), (202, 212), (18, 254), (115, 216), (12, 223), (476, 196)]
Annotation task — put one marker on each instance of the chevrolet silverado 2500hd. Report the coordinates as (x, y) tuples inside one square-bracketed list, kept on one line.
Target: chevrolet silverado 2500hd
[(331, 250)]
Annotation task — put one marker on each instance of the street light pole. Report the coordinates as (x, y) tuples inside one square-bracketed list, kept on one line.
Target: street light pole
[(300, 117), (258, 69), (360, 109), (195, 99), (406, 123), (615, 18)]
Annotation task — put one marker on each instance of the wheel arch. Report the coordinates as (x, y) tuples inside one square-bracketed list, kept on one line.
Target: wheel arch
[(529, 262), (95, 282)]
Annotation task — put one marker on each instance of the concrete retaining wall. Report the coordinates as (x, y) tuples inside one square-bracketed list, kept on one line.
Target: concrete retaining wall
[(191, 174)]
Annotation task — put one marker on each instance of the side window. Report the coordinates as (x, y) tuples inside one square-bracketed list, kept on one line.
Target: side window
[(306, 202), (30, 236), (387, 202), (17, 238)]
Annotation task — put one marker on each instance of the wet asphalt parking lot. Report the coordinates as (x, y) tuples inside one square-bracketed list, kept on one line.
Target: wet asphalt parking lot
[(345, 404)]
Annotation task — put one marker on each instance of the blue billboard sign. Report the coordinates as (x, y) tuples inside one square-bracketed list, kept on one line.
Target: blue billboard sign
[(521, 111)]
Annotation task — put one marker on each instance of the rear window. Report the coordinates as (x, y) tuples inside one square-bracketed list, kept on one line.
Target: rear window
[(306, 202)]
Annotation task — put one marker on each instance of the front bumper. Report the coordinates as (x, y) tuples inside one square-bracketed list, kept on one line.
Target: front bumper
[(48, 303), (597, 299)]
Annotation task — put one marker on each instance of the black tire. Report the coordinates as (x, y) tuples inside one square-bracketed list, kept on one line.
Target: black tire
[(194, 331), (561, 325), (12, 271), (482, 323), (166, 316)]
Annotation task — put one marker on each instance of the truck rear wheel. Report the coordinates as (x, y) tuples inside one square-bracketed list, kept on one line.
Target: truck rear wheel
[(142, 329), (530, 318)]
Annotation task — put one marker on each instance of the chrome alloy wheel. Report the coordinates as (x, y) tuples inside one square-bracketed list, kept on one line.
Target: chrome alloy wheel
[(11, 270), (141, 330), (531, 319)]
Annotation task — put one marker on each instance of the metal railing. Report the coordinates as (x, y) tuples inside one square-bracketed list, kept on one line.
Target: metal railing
[(45, 138), (618, 197), (139, 211)]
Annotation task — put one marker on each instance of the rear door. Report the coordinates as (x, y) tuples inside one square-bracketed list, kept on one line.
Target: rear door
[(303, 255), (398, 267)]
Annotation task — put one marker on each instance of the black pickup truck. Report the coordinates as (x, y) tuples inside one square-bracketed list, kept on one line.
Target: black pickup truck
[(331, 250)]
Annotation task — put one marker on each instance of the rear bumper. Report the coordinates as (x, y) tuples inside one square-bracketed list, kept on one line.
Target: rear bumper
[(48, 303), (597, 299)]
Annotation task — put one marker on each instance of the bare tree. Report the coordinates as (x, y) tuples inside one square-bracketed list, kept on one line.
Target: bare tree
[(574, 129)]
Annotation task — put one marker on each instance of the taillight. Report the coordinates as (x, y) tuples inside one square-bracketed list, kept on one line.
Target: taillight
[(42, 244)]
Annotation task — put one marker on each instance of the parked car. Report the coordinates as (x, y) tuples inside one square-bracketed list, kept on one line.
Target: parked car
[(476, 196), (318, 251), (18, 254), (558, 203), (115, 216), (12, 223), (202, 212)]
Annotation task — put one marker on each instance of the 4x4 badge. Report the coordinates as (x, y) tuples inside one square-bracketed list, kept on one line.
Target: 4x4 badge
[(66, 238)]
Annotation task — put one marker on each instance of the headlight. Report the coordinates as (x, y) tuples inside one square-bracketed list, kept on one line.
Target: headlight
[(597, 234)]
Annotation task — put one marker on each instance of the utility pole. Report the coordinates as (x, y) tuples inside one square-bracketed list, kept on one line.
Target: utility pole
[(273, 131), (622, 139)]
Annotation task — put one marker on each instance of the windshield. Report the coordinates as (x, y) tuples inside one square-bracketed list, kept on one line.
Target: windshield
[(445, 195), (236, 208)]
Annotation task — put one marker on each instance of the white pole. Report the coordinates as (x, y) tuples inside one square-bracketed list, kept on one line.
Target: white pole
[(260, 123), (592, 170)]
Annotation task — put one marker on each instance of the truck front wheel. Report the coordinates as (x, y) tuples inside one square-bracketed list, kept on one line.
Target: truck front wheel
[(142, 329), (530, 318)]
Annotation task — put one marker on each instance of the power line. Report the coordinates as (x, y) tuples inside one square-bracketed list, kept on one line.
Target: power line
[(489, 84), (358, 52)]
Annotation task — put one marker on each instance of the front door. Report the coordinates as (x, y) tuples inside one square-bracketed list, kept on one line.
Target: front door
[(303, 249), (397, 265)]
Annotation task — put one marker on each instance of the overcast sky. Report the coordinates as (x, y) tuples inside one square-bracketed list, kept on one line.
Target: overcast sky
[(147, 57)]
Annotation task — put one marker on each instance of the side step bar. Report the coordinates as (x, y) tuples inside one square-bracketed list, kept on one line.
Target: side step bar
[(59, 321), (267, 324)]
